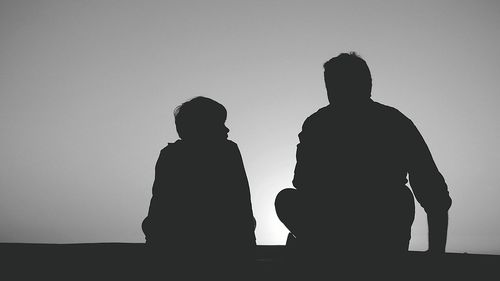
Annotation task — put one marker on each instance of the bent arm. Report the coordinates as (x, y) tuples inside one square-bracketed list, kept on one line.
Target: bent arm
[(430, 190)]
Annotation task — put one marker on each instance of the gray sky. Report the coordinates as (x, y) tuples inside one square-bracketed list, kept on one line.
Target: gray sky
[(88, 88)]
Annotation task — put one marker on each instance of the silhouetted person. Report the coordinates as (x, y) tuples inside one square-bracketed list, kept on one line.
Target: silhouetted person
[(201, 211), (354, 155)]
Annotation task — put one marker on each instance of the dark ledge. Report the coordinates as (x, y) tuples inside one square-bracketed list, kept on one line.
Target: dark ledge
[(127, 261)]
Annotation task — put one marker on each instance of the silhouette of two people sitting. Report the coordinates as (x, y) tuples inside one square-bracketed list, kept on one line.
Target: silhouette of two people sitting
[(201, 208), (351, 196)]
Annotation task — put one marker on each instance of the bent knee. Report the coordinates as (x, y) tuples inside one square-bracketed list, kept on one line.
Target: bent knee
[(285, 197)]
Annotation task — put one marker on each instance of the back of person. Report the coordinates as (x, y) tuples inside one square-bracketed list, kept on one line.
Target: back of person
[(358, 174), (353, 159), (207, 205)]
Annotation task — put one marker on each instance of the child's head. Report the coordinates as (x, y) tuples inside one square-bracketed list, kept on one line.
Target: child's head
[(201, 118)]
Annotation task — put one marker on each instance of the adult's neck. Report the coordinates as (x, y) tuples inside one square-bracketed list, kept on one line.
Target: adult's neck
[(351, 103)]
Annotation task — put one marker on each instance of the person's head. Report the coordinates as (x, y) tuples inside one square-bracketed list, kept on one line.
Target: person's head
[(347, 78), (201, 119)]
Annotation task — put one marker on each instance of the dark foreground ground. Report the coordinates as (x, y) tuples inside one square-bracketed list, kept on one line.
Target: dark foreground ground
[(133, 261)]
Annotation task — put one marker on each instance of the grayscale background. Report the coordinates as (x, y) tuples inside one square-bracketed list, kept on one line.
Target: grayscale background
[(88, 89)]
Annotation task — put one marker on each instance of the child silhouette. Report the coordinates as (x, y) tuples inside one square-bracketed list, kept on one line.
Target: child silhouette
[(201, 203)]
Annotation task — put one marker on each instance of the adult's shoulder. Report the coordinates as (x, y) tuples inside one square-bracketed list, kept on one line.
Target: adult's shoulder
[(320, 113), (390, 112), (319, 116)]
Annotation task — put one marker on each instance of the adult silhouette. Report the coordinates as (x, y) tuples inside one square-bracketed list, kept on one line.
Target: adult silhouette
[(200, 211), (351, 195)]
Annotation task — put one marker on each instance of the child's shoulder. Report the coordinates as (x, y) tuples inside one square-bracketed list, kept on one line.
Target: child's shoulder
[(231, 143), (181, 145), (172, 146)]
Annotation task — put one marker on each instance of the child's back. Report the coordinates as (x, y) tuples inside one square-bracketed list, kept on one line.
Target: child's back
[(201, 199)]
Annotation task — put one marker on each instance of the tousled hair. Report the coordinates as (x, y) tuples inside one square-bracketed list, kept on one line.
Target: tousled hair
[(347, 77), (194, 115)]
